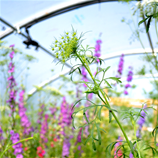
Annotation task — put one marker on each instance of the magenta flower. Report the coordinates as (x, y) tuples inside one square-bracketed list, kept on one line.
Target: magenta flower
[(40, 113), (79, 137), (66, 148), (44, 129), (11, 54), (25, 123), (65, 115), (12, 45), (118, 153), (1, 132)]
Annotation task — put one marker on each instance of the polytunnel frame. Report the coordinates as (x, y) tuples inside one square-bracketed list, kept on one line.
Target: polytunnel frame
[(59, 9)]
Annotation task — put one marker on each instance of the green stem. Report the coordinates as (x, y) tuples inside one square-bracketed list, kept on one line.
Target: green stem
[(156, 22), (136, 139), (15, 144), (106, 101)]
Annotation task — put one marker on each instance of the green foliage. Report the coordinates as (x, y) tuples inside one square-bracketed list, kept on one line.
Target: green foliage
[(149, 16), (142, 71), (30, 58)]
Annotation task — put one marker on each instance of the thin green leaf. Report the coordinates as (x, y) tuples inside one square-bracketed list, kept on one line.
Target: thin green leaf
[(99, 113), (99, 134), (107, 69), (110, 116), (107, 83), (140, 22), (84, 114), (93, 145), (102, 130), (87, 139), (82, 136)]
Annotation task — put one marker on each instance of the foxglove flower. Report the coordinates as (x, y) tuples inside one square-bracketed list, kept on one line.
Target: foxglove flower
[(11, 85), (65, 115), (120, 66), (84, 78), (44, 129), (131, 155), (129, 79), (40, 114), (130, 74), (18, 150), (127, 85), (65, 121), (40, 152), (79, 137), (66, 148), (25, 123), (90, 95), (53, 111), (125, 92), (118, 153), (1, 132), (98, 49), (141, 121)]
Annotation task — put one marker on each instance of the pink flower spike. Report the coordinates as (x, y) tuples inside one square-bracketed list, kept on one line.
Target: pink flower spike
[(11, 55), (12, 45)]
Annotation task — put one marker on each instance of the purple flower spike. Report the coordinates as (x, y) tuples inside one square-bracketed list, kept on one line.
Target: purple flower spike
[(84, 78), (127, 85), (66, 148), (17, 147), (129, 79), (131, 155), (44, 129), (120, 66), (125, 92), (11, 55), (11, 84), (25, 123), (141, 121), (98, 49), (1, 132)]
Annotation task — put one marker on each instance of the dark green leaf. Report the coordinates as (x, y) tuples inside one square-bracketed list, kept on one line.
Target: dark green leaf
[(84, 114), (110, 116), (140, 22), (87, 139), (99, 113), (99, 134), (148, 24), (93, 145), (102, 130), (107, 83), (82, 135)]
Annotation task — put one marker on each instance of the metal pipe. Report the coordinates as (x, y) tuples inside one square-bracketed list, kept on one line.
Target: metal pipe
[(51, 12)]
